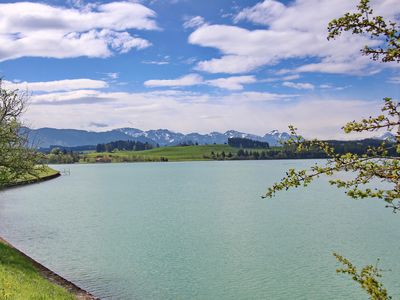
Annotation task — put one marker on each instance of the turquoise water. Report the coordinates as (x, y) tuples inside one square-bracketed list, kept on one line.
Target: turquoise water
[(199, 230)]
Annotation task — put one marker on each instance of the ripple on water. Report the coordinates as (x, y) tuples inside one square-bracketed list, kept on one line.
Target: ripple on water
[(199, 231)]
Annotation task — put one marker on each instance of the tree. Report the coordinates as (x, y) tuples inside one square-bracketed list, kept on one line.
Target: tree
[(247, 143), (17, 159), (376, 163), (364, 22)]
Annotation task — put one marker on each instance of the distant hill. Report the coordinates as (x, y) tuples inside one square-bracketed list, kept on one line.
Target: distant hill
[(47, 137)]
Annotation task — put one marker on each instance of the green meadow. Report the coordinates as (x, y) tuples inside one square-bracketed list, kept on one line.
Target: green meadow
[(174, 153)]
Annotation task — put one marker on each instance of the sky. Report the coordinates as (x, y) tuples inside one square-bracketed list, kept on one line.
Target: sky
[(192, 66)]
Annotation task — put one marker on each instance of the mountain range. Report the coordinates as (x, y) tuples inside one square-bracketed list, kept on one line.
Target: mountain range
[(46, 137)]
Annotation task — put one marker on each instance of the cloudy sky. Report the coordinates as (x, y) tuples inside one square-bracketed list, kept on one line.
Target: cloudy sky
[(190, 65)]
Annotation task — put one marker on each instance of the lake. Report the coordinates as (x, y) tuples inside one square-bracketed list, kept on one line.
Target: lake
[(199, 230)]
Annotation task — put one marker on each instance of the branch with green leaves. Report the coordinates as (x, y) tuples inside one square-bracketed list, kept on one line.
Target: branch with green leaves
[(364, 22), (374, 165), (367, 277)]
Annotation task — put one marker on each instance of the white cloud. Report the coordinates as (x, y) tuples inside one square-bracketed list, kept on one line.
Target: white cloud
[(262, 13), (229, 83), (122, 42), (291, 77), (232, 83), (292, 31), (285, 78), (76, 3), (252, 112), (155, 62), (197, 112), (98, 30), (332, 66), (299, 85), (58, 85), (394, 80), (113, 75), (194, 22), (163, 60), (230, 64), (189, 61), (257, 97), (187, 80)]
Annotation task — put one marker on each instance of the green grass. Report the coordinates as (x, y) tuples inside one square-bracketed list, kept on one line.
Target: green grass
[(20, 280), (175, 153), (46, 171), (42, 173)]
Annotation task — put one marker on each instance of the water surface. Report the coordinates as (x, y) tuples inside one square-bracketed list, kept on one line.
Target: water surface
[(199, 230)]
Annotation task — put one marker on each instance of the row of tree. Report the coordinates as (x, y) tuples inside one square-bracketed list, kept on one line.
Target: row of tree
[(123, 146), (247, 143), (59, 156), (362, 147), (110, 158)]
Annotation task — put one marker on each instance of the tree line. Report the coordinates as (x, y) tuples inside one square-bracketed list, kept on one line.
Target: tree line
[(361, 147), (247, 143), (59, 156), (123, 146)]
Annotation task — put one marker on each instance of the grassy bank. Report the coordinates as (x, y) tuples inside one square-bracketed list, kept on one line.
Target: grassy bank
[(175, 153), (21, 280), (43, 173)]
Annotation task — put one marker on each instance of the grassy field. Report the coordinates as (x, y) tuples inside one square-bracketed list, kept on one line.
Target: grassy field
[(178, 153), (20, 280)]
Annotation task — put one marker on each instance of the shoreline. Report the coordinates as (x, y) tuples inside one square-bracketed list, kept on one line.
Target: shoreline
[(181, 160), (34, 180), (45, 272), (53, 277)]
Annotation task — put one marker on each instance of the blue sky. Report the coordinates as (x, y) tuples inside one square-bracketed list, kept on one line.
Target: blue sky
[(191, 65)]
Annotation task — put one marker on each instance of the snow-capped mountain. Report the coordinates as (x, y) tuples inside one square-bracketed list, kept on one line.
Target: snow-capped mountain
[(275, 137), (162, 137), (165, 137), (387, 136), (237, 134), (130, 131)]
